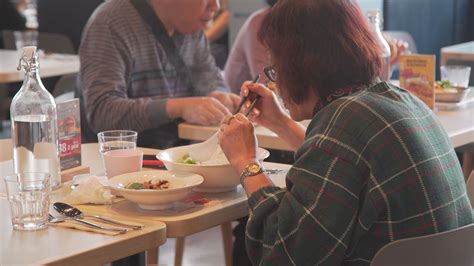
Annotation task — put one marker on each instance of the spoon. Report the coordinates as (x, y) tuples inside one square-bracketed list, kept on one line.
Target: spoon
[(77, 215)]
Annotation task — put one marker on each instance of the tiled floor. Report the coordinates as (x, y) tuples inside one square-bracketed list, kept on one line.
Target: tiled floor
[(201, 249)]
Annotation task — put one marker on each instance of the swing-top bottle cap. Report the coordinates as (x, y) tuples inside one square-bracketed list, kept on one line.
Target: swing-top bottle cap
[(29, 51)]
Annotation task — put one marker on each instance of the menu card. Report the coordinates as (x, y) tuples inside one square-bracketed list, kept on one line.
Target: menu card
[(69, 127), (417, 75)]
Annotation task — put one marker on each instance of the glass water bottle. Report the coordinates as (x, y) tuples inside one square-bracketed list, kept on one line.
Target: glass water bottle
[(375, 21), (34, 123)]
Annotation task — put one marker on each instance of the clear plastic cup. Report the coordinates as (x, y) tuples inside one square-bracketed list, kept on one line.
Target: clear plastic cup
[(28, 195), (116, 140), (119, 162), (457, 75)]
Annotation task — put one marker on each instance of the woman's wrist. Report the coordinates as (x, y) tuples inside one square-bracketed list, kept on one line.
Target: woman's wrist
[(284, 122), (239, 165)]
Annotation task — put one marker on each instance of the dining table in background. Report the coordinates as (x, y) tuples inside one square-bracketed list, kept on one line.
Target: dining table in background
[(459, 124), (50, 65)]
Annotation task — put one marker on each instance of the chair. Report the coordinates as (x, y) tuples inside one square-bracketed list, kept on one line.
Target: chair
[(452, 247), (50, 42), (470, 188), (65, 87)]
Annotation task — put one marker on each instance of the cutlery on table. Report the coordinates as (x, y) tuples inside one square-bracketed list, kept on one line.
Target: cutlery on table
[(76, 214), (56, 220)]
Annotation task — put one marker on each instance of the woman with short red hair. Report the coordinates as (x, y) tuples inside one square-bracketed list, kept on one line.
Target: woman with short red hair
[(374, 164)]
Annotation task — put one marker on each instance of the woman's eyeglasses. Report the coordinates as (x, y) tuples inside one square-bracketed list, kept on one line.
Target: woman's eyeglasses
[(270, 73)]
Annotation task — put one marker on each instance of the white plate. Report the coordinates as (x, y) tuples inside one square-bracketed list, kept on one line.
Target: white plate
[(181, 184)]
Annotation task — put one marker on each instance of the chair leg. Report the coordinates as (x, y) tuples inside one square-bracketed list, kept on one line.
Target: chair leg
[(179, 250), (467, 164), (152, 256), (226, 229)]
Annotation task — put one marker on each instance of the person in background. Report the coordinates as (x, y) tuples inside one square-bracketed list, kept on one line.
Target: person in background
[(10, 18), (218, 34), (129, 80), (248, 56), (374, 165)]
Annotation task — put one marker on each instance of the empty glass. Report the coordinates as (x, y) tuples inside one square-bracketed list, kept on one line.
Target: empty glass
[(28, 195), (25, 38), (456, 74), (116, 140)]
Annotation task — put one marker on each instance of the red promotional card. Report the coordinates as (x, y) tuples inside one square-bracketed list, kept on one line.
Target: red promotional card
[(69, 126), (417, 75)]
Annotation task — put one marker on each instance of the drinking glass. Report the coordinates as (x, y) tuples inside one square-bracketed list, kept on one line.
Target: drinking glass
[(116, 140), (25, 38), (456, 74), (28, 195)]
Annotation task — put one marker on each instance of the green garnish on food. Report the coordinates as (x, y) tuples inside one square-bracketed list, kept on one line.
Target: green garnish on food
[(186, 159), (444, 84), (135, 186)]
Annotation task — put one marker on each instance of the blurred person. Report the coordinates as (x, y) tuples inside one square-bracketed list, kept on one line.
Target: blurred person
[(131, 78), (10, 18), (373, 166), (218, 34), (248, 56)]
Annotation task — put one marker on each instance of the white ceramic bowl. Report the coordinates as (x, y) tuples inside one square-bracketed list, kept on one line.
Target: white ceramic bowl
[(181, 184), (452, 95), (217, 177)]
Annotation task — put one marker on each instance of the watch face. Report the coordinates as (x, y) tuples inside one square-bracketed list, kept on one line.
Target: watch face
[(254, 168)]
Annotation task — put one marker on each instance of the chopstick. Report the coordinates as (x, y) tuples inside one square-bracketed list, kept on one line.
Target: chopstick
[(152, 163), (257, 78), (252, 105)]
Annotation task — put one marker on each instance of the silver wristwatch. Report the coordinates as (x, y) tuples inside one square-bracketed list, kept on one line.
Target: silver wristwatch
[(250, 170)]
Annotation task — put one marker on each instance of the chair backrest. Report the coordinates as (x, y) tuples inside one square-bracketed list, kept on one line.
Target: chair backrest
[(454, 247), (65, 88), (470, 188), (50, 42), (8, 40)]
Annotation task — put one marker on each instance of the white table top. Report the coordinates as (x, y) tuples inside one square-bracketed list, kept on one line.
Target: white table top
[(458, 123), (64, 246), (225, 207), (50, 65), (464, 48)]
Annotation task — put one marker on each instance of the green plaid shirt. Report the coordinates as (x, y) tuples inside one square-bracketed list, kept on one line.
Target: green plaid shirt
[(376, 166)]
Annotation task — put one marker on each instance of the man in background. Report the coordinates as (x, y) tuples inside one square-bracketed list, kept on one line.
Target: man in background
[(129, 79)]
